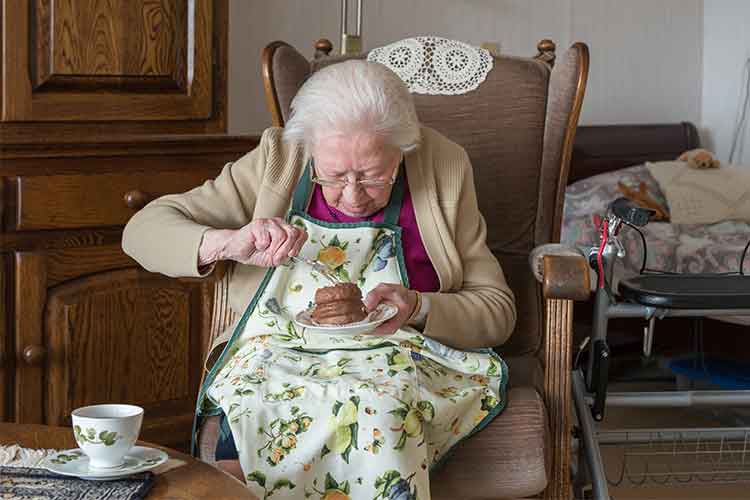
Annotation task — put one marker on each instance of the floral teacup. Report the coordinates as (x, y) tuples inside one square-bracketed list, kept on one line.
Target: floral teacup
[(105, 433)]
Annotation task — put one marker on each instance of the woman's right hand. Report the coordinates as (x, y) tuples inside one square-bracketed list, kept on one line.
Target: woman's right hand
[(262, 242)]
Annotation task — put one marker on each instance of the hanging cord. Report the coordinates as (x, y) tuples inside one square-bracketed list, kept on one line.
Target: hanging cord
[(645, 270), (643, 244), (742, 260), (742, 113)]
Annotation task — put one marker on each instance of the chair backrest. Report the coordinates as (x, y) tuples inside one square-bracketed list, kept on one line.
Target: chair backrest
[(518, 128)]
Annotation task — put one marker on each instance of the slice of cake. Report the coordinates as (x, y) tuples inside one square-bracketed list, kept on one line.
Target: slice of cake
[(339, 305)]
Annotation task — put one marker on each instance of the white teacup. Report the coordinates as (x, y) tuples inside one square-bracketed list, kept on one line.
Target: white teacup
[(105, 433)]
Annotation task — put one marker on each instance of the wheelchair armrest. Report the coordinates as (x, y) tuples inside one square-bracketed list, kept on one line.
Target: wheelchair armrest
[(562, 270)]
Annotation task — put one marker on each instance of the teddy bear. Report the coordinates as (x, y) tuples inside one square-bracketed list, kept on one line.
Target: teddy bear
[(699, 158), (642, 198)]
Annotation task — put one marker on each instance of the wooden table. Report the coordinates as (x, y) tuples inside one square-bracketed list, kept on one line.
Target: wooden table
[(193, 480)]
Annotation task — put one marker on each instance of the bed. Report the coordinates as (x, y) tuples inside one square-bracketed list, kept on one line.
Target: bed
[(606, 155)]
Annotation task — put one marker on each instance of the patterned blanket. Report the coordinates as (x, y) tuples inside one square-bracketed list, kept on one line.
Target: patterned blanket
[(37, 484), (683, 248)]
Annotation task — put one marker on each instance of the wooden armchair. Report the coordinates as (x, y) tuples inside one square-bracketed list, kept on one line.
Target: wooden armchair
[(518, 129)]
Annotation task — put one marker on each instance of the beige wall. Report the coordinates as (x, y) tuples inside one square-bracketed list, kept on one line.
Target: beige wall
[(726, 54), (646, 55)]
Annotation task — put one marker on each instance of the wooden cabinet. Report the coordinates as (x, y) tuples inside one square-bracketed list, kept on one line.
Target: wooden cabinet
[(80, 322), (116, 60), (124, 335), (105, 106), (115, 66)]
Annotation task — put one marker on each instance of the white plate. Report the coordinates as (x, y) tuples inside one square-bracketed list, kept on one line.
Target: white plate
[(75, 463), (381, 314)]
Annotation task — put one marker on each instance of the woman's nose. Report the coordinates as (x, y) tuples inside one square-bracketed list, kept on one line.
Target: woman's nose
[(353, 191)]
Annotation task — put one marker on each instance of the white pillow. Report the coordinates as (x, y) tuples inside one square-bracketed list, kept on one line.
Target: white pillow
[(703, 196)]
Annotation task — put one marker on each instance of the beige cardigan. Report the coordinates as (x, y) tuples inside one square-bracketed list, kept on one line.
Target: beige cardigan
[(474, 308)]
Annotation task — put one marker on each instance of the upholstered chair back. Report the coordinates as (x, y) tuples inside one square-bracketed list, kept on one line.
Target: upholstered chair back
[(518, 128)]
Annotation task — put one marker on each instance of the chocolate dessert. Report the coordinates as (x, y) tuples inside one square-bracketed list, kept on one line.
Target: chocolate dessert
[(338, 305)]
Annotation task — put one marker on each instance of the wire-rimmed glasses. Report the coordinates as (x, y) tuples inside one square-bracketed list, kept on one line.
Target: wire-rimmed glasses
[(364, 183)]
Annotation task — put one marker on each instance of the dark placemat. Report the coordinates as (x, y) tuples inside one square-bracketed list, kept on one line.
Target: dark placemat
[(27, 483)]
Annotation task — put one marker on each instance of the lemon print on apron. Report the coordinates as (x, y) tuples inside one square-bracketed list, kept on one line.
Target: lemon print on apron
[(339, 417)]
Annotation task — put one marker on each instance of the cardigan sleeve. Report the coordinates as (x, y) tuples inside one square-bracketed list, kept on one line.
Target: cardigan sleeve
[(482, 311), (166, 234)]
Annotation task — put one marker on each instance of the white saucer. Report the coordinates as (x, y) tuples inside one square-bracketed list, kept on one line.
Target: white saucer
[(381, 314), (75, 463)]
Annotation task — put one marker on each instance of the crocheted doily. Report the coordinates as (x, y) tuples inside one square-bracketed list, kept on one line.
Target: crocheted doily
[(434, 65), (15, 456)]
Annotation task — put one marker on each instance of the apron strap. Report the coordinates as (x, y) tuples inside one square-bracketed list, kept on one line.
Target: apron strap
[(392, 210), (303, 190)]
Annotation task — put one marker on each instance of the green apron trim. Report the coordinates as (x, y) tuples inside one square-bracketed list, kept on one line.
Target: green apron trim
[(393, 210), (496, 410), (303, 191), (220, 362), (299, 202)]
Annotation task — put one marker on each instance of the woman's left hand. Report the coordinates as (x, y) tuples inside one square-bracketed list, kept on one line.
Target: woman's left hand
[(397, 295)]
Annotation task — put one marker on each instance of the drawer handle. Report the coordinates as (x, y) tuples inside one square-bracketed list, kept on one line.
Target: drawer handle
[(136, 199), (34, 354)]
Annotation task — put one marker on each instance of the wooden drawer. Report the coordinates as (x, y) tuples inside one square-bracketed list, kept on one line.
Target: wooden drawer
[(96, 200)]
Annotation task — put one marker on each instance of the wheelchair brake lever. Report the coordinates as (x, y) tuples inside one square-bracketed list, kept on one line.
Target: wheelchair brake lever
[(620, 248)]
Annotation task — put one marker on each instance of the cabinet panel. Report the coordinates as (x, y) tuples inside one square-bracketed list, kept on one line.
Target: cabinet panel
[(80, 323), (124, 336), (133, 44), (121, 60), (65, 264)]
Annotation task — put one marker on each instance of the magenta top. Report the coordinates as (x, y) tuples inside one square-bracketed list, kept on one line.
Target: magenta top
[(422, 275)]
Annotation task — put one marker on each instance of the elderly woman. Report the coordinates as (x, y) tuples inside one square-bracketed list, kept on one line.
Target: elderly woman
[(354, 183)]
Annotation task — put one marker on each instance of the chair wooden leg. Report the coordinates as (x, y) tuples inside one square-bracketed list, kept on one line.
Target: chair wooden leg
[(557, 395)]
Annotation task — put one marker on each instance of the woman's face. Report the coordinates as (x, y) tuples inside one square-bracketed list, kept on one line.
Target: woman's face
[(351, 158)]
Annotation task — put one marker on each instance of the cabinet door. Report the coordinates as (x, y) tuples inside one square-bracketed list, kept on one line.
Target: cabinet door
[(126, 336), (91, 60)]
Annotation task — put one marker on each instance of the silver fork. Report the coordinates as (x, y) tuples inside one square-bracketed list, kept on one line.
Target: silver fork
[(320, 268)]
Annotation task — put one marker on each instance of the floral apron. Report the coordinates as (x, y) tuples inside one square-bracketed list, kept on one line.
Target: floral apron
[(335, 416)]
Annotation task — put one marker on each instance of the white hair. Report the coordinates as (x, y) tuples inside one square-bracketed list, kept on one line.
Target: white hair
[(354, 96)]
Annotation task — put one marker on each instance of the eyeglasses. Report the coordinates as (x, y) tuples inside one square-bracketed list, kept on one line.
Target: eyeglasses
[(365, 183)]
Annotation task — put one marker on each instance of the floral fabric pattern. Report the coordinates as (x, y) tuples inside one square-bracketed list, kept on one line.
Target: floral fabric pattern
[(681, 248), (336, 416), (684, 248)]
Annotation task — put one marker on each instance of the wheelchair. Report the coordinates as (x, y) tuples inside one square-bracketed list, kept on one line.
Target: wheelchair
[(719, 454)]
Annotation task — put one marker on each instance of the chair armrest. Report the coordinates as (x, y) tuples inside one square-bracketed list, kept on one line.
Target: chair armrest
[(566, 277), (562, 270)]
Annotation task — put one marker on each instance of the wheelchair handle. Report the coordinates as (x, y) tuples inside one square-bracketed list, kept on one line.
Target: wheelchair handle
[(630, 212)]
